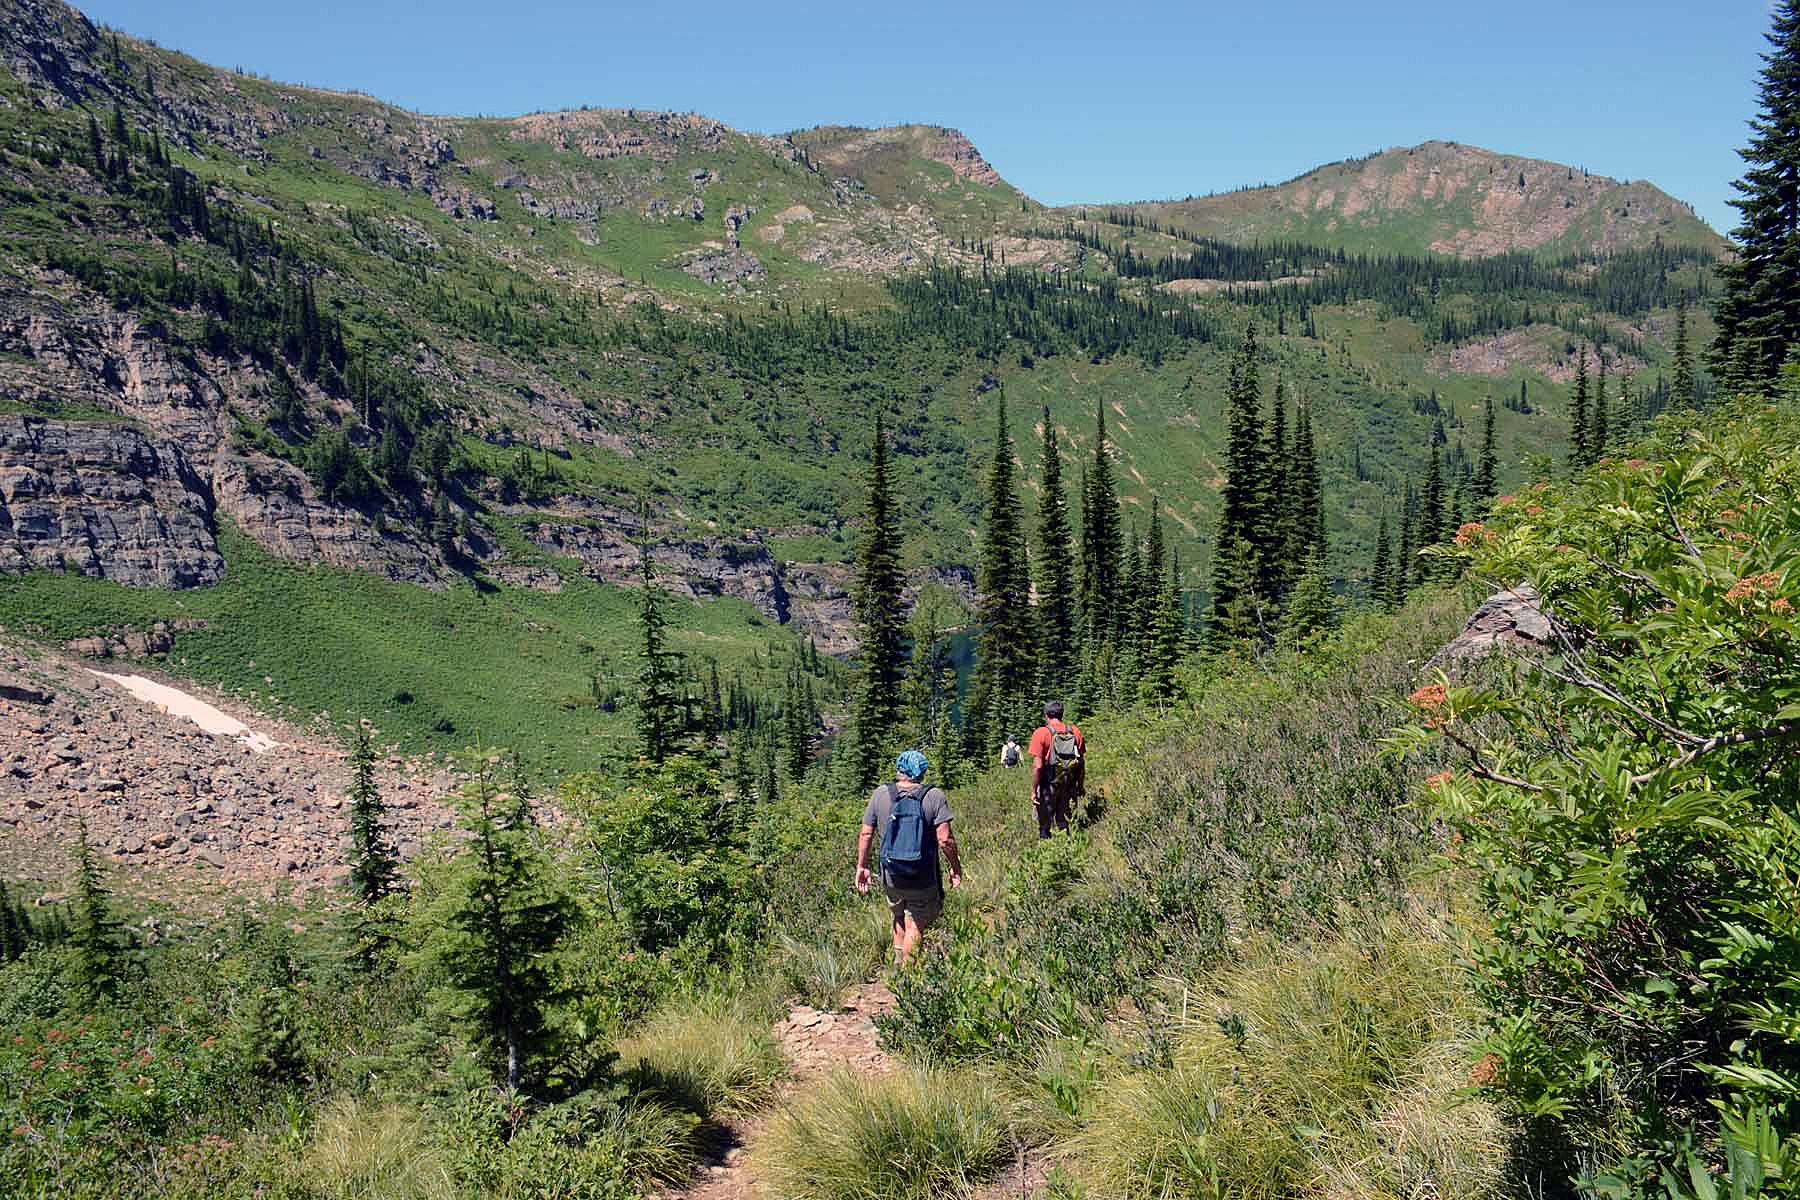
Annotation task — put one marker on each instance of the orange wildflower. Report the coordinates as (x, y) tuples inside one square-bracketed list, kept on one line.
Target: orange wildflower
[(1430, 697), (1470, 533)]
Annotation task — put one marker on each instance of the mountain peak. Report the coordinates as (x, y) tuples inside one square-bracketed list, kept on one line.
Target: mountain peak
[(852, 150), (1447, 197)]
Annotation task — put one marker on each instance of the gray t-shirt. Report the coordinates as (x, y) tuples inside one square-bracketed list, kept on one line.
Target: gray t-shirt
[(881, 804)]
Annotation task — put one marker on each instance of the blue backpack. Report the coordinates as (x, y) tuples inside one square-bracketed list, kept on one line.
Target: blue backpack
[(909, 843)]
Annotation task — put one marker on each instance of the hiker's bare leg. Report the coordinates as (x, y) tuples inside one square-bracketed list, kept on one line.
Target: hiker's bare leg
[(906, 938)]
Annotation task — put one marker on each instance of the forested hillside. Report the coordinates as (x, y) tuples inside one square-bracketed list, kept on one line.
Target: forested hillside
[(461, 579)]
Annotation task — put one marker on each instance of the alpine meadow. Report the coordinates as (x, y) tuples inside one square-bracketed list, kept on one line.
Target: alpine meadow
[(599, 655)]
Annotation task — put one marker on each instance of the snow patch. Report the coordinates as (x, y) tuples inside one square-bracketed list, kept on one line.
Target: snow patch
[(178, 703)]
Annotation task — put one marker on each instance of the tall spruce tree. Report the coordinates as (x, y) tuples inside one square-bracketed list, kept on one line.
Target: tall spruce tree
[(1005, 656), (96, 936), (1406, 558), (1487, 470), (1058, 651), (1758, 310), (492, 930), (1431, 502), (374, 868), (1579, 445), (1101, 556), (1306, 535), (1681, 386), (659, 701), (1600, 437), (1163, 646), (1281, 505), (1236, 554), (880, 619), (1381, 570)]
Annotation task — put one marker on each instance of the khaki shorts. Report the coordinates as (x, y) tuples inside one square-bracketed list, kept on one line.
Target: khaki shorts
[(924, 906)]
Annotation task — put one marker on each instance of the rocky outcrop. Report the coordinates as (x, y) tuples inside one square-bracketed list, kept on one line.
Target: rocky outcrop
[(103, 500), (52, 49), (724, 266), (1509, 619), (276, 504)]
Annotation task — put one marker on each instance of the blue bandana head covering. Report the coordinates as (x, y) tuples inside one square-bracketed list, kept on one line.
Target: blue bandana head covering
[(912, 764)]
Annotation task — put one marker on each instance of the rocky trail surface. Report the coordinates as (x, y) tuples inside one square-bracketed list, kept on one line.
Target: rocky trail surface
[(818, 1043), (252, 801)]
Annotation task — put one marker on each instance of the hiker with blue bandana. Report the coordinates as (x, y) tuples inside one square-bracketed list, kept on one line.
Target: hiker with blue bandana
[(913, 822)]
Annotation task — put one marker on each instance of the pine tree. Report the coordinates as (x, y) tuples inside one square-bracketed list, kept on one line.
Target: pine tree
[(1309, 610), (658, 701), (95, 933), (1281, 505), (1431, 502), (1682, 386), (1381, 570), (1579, 445), (1600, 437), (1058, 651), (880, 620), (1101, 555), (1236, 554), (1758, 311), (1163, 646), (1307, 524), (1486, 484), (1406, 565), (797, 725), (374, 870), (1005, 659), (492, 933)]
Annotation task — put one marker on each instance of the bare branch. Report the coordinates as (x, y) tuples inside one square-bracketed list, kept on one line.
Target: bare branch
[(1481, 770), (1720, 742)]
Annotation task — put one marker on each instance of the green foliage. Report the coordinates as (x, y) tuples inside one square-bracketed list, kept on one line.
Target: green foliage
[(1006, 638), (96, 938), (1625, 808), (374, 868), (880, 620), (1321, 1072), (491, 925), (659, 708), (910, 1135), (714, 1059)]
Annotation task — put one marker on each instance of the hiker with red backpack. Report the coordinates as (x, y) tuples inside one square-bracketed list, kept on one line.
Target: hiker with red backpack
[(913, 822), (1058, 769)]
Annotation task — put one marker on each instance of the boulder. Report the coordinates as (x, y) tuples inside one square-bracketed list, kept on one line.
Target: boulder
[(1510, 619)]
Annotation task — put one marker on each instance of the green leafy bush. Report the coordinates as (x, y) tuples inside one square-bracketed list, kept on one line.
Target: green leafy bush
[(1626, 811)]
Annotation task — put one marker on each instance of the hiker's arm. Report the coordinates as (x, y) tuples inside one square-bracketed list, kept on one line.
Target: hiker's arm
[(1037, 776), (947, 844), (863, 841)]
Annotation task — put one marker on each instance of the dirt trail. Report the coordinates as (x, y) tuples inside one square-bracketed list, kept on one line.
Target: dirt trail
[(816, 1043)]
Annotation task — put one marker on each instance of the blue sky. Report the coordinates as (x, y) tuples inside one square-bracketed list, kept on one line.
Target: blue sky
[(1070, 102)]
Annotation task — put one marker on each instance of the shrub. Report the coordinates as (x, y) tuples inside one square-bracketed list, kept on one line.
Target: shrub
[(1625, 809), (589, 1148), (911, 1135)]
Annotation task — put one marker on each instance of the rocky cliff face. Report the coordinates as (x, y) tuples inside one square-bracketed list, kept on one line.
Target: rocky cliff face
[(103, 500)]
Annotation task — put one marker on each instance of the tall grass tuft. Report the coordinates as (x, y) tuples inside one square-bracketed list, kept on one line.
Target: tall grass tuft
[(375, 1153), (912, 1135), (713, 1060), (819, 970), (1329, 1071)]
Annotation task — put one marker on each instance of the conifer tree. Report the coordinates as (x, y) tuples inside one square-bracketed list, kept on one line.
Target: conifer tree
[(1758, 311), (1057, 651), (1486, 484), (1381, 570), (1163, 645), (493, 931), (95, 934), (1307, 524), (880, 619), (1600, 435), (1578, 415), (374, 869), (1431, 502), (1101, 555), (1236, 554), (1682, 385), (1309, 610), (1005, 662), (1406, 566), (659, 704), (1281, 504)]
